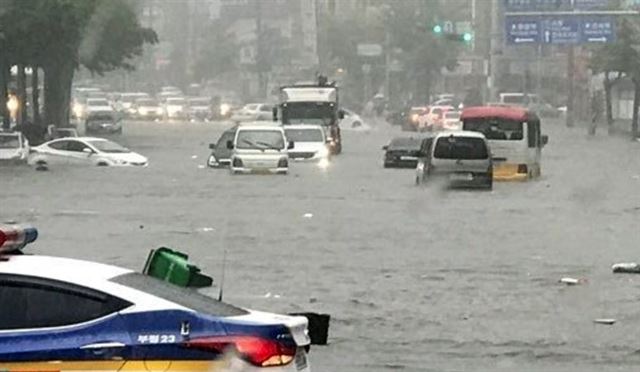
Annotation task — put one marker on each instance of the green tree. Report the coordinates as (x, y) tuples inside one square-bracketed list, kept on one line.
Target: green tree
[(61, 35), (622, 59)]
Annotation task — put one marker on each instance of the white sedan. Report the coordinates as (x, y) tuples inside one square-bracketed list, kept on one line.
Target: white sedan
[(85, 151)]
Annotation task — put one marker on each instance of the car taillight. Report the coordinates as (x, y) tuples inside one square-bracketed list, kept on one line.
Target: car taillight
[(283, 163), (522, 168), (255, 350), (237, 162)]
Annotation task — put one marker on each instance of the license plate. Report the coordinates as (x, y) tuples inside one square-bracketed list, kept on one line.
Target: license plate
[(408, 158), (301, 359), (461, 177)]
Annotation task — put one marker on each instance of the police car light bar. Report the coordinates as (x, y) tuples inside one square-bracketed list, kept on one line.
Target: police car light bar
[(15, 237)]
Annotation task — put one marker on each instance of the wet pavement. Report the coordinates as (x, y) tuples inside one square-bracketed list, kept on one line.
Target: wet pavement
[(416, 279)]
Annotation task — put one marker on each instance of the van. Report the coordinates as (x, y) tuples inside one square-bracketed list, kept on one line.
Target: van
[(460, 159), (260, 149)]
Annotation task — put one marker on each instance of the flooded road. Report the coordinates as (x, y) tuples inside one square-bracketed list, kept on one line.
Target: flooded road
[(415, 279)]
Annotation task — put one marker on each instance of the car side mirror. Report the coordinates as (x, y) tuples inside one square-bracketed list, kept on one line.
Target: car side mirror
[(341, 114), (87, 151), (274, 112), (230, 145), (212, 146), (290, 145), (545, 140), (385, 147)]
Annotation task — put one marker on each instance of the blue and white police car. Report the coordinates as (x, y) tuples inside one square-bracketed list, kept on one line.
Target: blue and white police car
[(61, 314)]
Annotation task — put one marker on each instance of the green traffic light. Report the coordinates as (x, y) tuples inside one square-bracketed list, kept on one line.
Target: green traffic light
[(437, 29), (467, 37)]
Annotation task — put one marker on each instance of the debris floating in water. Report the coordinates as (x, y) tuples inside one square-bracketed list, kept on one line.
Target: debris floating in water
[(626, 268), (606, 321), (206, 229), (308, 215), (572, 281), (194, 156), (200, 166)]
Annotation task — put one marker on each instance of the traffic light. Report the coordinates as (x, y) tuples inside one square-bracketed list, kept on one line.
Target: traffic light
[(467, 37), (437, 29)]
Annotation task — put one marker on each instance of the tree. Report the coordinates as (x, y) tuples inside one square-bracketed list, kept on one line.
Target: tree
[(621, 58), (61, 35)]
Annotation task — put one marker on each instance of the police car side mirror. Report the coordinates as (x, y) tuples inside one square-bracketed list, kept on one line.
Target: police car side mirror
[(87, 151), (291, 145), (341, 114), (274, 112), (545, 140), (212, 146), (230, 145), (385, 147)]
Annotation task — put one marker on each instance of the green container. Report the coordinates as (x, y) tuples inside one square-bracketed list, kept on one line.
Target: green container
[(174, 267)]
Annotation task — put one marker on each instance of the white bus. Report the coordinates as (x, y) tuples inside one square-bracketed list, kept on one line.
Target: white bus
[(515, 139)]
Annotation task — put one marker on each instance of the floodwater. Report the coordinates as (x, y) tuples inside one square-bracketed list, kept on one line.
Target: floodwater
[(415, 279)]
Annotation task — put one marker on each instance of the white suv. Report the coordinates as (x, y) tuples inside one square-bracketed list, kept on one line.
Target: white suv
[(260, 149)]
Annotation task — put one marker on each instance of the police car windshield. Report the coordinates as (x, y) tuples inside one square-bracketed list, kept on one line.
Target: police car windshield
[(182, 296)]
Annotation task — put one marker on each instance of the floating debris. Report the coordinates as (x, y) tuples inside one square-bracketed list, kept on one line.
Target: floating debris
[(606, 321), (626, 268)]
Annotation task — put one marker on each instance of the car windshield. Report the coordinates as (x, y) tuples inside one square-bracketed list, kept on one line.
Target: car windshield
[(108, 147), (9, 141), (304, 135), (260, 139), (321, 113), (101, 117), (188, 298), (458, 147), (496, 129)]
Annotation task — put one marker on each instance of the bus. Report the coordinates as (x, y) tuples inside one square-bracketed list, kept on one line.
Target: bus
[(515, 138)]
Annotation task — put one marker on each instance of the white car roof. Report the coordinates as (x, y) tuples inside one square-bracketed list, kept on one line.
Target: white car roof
[(87, 274), (255, 126), (462, 133)]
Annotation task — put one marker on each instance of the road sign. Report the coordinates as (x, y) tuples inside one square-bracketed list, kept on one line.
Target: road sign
[(560, 30), (369, 50), (590, 4), (598, 30), (537, 5), (521, 30)]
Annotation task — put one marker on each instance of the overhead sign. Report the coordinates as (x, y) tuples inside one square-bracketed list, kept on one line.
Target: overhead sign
[(559, 30), (369, 50), (598, 30), (522, 30), (590, 4), (564, 30)]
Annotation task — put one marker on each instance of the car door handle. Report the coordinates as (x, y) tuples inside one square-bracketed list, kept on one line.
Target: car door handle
[(103, 345)]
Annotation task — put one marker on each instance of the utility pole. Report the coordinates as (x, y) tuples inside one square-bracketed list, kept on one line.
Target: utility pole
[(260, 62), (571, 66), (495, 49)]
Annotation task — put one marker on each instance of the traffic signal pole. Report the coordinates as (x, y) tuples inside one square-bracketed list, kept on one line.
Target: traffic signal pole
[(494, 49)]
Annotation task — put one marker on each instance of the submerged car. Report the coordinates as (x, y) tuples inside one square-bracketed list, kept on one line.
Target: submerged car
[(253, 112), (457, 159), (147, 109), (200, 109), (220, 154), (402, 152), (14, 148), (106, 122), (85, 151), (260, 149), (65, 314), (310, 143)]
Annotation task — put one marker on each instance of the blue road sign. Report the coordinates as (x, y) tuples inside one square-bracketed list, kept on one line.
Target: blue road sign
[(560, 30), (598, 30), (521, 30)]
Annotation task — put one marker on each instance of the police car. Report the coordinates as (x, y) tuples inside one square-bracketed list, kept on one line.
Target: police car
[(61, 314)]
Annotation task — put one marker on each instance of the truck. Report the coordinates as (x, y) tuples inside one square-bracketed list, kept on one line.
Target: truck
[(314, 103)]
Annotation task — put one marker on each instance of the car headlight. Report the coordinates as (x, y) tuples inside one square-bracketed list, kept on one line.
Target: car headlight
[(323, 152), (224, 109)]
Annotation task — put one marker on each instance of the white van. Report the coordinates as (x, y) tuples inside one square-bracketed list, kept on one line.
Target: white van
[(460, 159), (260, 149)]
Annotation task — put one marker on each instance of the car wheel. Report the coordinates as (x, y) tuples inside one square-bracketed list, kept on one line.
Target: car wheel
[(102, 164), (42, 165), (356, 124)]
